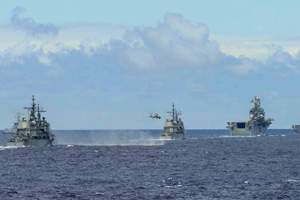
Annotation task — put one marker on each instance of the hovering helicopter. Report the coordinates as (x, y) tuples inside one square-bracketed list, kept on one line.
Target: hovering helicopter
[(155, 116)]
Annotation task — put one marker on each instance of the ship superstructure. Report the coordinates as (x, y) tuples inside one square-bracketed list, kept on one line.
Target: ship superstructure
[(34, 131), (13, 129), (174, 127), (257, 124)]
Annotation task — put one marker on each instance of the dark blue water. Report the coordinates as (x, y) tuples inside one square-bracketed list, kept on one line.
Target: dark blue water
[(134, 165)]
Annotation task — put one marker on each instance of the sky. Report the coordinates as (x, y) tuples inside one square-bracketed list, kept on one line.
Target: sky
[(109, 64)]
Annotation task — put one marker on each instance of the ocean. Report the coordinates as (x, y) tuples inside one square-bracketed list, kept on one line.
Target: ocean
[(134, 164)]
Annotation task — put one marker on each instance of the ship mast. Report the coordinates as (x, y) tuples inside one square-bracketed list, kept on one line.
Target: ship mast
[(256, 112), (256, 102), (177, 114), (39, 111), (173, 112), (31, 110)]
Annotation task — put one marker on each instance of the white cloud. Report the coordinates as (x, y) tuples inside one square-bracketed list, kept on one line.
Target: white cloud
[(173, 43), (284, 63), (87, 61), (245, 67), (16, 54), (44, 60), (256, 47)]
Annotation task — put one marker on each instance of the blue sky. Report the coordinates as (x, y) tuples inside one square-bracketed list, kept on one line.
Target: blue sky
[(107, 65), (236, 17)]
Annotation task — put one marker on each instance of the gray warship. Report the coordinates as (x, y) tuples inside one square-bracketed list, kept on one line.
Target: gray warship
[(296, 128), (257, 124), (32, 132), (13, 129), (174, 127)]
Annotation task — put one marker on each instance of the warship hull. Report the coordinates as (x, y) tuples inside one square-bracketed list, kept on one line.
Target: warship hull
[(30, 143), (296, 128), (257, 124), (244, 129)]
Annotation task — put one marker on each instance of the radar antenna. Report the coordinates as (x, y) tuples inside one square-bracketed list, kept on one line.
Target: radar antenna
[(173, 112)]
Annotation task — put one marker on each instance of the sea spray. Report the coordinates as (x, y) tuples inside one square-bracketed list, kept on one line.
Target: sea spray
[(109, 137)]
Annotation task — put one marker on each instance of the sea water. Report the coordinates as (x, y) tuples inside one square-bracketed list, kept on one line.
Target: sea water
[(125, 164)]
